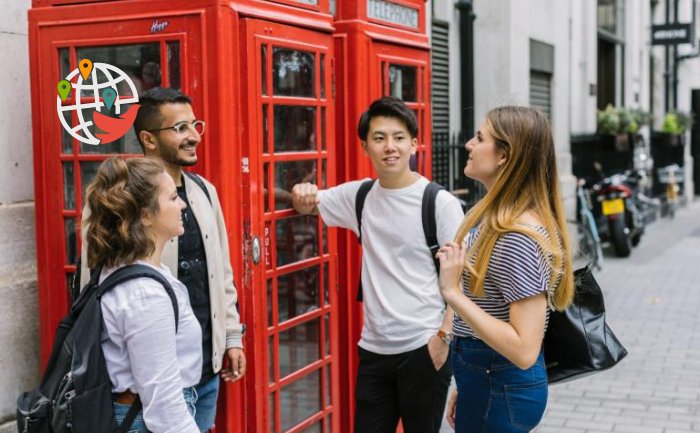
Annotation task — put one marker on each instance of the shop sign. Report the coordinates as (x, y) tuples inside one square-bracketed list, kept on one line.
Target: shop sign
[(393, 13), (670, 34)]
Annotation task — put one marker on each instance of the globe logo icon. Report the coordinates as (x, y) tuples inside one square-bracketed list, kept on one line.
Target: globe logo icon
[(101, 92)]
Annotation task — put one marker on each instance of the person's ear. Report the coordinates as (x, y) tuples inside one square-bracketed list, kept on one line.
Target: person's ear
[(414, 146), (502, 158), (364, 146), (149, 140), (146, 218)]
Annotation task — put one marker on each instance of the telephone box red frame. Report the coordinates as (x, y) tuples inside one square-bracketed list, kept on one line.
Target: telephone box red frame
[(216, 40)]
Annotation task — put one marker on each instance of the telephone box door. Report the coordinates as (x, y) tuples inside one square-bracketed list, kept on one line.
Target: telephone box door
[(288, 89), (64, 165)]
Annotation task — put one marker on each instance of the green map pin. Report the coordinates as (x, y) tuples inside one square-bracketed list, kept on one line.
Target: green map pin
[(64, 88), (109, 95)]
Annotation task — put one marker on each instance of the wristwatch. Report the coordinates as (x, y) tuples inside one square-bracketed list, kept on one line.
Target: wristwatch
[(446, 337)]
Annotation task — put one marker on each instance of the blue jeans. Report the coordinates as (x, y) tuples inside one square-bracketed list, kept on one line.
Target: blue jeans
[(207, 393), (495, 396), (139, 426)]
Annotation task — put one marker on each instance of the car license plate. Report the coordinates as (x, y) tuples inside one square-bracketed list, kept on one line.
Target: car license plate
[(612, 207)]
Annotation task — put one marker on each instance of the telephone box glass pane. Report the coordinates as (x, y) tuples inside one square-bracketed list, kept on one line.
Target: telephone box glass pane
[(66, 139), (402, 82), (323, 76), (68, 186), (140, 62), (297, 239), (88, 170), (263, 68), (323, 128), (288, 174), (316, 428), (299, 347), (295, 128), (272, 413), (292, 73), (270, 294), (173, 67), (300, 400), (271, 358), (63, 62), (70, 240), (297, 293), (326, 283), (265, 128)]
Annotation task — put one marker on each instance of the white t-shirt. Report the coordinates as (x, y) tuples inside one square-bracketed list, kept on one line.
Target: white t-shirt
[(401, 298), (143, 352)]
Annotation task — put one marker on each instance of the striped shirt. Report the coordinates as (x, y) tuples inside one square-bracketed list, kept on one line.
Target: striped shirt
[(517, 270)]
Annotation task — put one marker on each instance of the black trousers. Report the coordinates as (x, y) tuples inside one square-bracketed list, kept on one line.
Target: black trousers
[(404, 386)]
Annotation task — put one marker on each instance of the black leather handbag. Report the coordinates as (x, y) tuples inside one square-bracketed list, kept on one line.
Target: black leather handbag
[(578, 342)]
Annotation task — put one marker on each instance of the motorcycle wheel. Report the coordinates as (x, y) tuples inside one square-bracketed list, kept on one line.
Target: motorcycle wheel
[(620, 241)]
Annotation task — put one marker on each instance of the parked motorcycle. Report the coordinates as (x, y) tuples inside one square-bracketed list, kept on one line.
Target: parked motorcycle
[(617, 211)]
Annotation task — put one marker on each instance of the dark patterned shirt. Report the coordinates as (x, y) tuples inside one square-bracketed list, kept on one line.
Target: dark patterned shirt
[(192, 271)]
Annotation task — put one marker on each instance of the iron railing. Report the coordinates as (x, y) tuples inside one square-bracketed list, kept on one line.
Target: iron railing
[(449, 159)]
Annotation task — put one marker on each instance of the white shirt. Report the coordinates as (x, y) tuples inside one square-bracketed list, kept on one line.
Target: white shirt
[(402, 303), (143, 352)]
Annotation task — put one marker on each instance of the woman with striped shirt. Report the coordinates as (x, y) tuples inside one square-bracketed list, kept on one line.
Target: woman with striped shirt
[(510, 263)]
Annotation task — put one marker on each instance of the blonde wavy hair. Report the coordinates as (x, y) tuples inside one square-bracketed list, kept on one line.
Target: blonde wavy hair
[(527, 181)]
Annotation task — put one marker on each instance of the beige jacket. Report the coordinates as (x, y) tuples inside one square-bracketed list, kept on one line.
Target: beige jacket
[(226, 324)]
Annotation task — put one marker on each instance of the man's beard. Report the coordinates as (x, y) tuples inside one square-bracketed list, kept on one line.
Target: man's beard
[(172, 157)]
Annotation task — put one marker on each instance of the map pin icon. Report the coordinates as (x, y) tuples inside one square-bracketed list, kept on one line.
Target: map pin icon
[(109, 95), (85, 67), (64, 88)]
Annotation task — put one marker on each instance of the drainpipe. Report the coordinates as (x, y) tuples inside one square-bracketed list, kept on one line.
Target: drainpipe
[(466, 54)]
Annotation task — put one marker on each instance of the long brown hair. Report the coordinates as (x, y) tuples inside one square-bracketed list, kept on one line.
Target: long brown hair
[(121, 191), (528, 181)]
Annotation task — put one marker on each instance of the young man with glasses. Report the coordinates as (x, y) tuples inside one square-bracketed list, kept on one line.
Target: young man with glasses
[(168, 130)]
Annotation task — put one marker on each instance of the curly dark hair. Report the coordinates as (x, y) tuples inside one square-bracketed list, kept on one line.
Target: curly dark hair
[(121, 191)]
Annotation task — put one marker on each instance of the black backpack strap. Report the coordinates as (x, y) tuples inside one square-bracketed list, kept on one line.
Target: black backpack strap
[(131, 272), (130, 417), (360, 204), (429, 220), (198, 180)]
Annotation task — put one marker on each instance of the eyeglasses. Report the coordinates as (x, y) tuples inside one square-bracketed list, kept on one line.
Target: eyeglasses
[(182, 127)]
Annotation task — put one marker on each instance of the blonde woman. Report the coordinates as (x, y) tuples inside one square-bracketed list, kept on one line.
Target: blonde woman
[(510, 263)]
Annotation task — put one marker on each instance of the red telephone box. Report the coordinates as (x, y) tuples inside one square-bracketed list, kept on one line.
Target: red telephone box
[(281, 84)]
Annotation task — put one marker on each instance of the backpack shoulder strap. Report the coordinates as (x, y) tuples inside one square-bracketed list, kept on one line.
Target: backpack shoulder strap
[(134, 271), (198, 180), (360, 204), (429, 220)]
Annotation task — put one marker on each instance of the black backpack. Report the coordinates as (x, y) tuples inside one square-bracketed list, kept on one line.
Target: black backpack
[(427, 217), (75, 394)]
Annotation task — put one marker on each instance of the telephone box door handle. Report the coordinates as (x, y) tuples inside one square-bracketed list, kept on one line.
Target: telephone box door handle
[(256, 250)]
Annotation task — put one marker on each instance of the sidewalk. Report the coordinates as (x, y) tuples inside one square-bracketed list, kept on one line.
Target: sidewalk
[(653, 306)]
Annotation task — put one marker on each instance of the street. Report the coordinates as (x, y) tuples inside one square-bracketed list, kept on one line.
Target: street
[(652, 301)]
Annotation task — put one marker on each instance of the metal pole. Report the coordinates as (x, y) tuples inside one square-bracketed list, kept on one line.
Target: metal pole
[(675, 60), (667, 65), (466, 51)]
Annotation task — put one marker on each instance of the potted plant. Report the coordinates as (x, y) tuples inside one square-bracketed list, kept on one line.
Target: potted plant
[(674, 126), (618, 125)]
